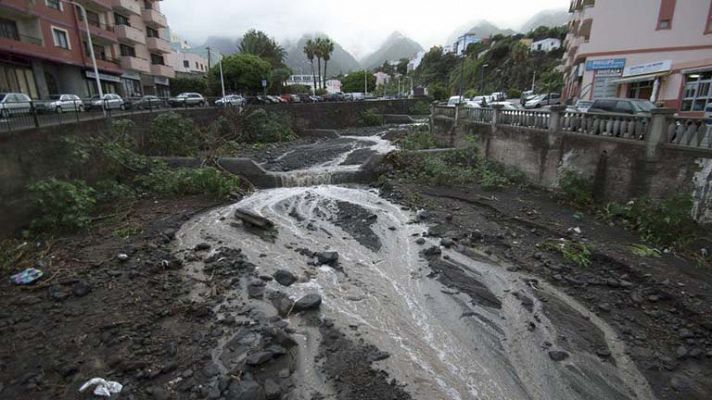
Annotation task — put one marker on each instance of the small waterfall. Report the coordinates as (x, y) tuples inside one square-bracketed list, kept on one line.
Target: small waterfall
[(318, 177)]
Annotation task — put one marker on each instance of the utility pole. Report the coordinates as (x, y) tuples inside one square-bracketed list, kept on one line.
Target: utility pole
[(222, 78), (91, 52), (462, 74), (365, 83), (482, 88), (209, 58), (533, 81)]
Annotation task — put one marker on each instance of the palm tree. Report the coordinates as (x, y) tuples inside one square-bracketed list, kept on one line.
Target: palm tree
[(327, 47), (318, 47), (310, 52)]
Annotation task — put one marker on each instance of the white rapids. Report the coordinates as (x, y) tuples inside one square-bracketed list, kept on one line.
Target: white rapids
[(434, 350)]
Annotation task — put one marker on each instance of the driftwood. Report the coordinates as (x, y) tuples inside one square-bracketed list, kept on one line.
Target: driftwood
[(252, 219)]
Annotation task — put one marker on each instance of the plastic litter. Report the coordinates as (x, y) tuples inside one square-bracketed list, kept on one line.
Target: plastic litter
[(26, 277), (103, 387)]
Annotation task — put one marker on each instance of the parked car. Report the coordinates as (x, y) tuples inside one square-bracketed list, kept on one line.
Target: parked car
[(274, 99), (549, 99), (110, 101), (60, 103), (583, 105), (285, 98), (188, 100), (147, 103), (621, 106), (14, 103), (499, 96), (231, 100), (455, 100), (296, 99)]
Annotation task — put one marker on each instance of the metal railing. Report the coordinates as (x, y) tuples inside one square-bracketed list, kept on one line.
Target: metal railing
[(444, 111), (23, 38), (615, 125)]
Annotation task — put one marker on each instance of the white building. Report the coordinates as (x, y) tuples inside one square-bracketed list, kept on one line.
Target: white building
[(382, 78), (188, 63), (546, 45), (332, 85), (414, 62), (464, 41)]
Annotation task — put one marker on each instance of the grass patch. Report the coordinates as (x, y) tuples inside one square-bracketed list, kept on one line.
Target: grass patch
[(574, 252), (576, 190), (642, 250)]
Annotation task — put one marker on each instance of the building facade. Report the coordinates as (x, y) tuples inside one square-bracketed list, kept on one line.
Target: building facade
[(44, 48), (545, 45), (659, 50), (463, 41), (190, 62), (414, 62)]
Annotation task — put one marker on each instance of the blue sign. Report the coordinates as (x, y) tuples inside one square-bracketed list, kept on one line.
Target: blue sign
[(609, 63)]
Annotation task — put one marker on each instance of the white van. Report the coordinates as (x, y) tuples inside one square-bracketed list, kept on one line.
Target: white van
[(455, 100)]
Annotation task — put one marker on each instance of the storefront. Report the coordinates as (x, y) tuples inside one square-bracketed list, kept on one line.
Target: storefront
[(643, 81), (109, 83), (131, 85), (16, 76), (163, 88), (605, 73), (697, 92)]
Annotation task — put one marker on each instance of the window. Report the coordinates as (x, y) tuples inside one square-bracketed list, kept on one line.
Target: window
[(61, 38), (99, 51), (640, 90), (698, 91), (157, 60), (8, 29), (667, 10), (92, 18), (56, 4), (186, 64), (121, 20), (624, 107), (127, 51), (196, 65), (150, 32), (147, 5)]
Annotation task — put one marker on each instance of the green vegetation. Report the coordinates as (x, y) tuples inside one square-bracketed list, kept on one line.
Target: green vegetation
[(575, 252), (370, 117), (420, 108), (576, 190), (419, 140), (258, 44), (456, 167), (181, 85), (644, 251), (171, 134), (353, 82), (185, 181), (243, 73), (62, 206), (266, 127)]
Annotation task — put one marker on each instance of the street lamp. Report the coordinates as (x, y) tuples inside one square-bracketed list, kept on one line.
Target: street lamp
[(91, 51), (222, 79), (482, 88)]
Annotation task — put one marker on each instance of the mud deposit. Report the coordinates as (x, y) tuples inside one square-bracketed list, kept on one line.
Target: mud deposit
[(350, 296)]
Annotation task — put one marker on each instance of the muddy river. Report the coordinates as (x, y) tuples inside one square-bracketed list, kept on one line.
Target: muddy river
[(485, 335)]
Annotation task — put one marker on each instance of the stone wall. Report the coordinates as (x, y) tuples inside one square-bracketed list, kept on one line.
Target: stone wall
[(621, 169), (39, 153)]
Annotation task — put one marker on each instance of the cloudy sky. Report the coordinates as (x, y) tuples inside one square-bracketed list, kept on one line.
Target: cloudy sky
[(360, 26)]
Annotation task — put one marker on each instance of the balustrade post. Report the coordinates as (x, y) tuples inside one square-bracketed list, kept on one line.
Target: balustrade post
[(496, 113), (657, 133), (555, 117)]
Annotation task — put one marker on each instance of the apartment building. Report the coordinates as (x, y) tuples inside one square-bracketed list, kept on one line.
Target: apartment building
[(649, 49), (190, 62), (44, 48)]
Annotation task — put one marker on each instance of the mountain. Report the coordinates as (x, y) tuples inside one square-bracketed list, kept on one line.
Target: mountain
[(481, 28), (225, 45), (341, 62), (397, 46), (548, 18)]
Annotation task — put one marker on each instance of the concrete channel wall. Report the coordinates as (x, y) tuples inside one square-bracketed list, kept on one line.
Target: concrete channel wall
[(39, 153), (624, 156)]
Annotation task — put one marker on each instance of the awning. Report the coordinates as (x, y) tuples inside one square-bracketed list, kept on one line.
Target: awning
[(640, 78)]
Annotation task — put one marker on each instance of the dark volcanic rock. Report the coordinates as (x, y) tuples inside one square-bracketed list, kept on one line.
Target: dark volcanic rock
[(246, 390), (308, 302), (81, 289), (327, 257), (284, 277), (558, 355), (259, 358), (272, 390)]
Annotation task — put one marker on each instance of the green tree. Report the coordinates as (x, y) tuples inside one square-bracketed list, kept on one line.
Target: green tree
[(326, 49), (354, 82), (243, 72), (319, 53), (259, 44), (278, 77), (310, 52), (180, 85)]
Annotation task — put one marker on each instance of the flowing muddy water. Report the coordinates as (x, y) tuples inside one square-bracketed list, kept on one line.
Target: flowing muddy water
[(471, 342)]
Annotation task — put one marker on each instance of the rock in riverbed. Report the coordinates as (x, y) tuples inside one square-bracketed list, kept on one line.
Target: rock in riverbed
[(308, 302), (284, 277), (327, 257)]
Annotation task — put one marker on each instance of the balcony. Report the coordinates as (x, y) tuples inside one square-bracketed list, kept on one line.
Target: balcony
[(158, 45), (130, 34), (103, 5), (127, 6), (154, 18), (162, 70), (135, 64)]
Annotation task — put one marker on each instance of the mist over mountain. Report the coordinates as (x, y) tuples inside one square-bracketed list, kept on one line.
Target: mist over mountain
[(341, 62), (548, 18), (225, 45), (480, 28), (395, 47)]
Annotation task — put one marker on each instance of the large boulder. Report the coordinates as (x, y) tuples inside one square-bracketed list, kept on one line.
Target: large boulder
[(327, 257), (284, 277)]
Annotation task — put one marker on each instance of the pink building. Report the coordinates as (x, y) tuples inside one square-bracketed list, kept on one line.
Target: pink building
[(650, 49)]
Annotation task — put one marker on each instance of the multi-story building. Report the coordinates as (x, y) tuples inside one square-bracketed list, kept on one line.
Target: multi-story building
[(414, 62), (545, 45), (463, 42), (650, 49), (44, 48), (189, 62)]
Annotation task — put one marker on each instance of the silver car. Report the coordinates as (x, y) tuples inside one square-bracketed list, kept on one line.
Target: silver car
[(60, 103), (110, 101), (14, 103), (232, 100)]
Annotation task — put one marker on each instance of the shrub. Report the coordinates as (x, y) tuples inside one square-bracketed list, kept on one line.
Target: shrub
[(576, 189), (420, 108), (575, 252), (668, 222), (266, 127), (171, 135), (514, 93), (419, 140), (186, 181), (370, 117), (109, 190), (62, 206)]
